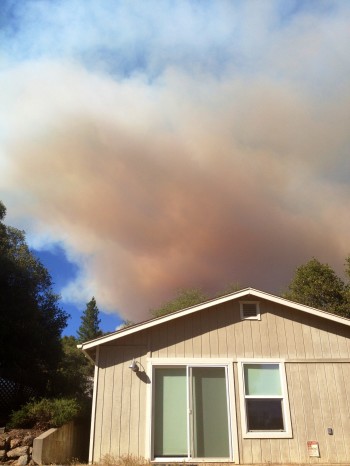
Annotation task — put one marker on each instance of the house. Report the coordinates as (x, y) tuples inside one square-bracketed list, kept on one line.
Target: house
[(245, 378)]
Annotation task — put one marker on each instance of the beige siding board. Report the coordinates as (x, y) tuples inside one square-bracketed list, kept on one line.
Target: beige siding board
[(275, 450), (308, 345), (171, 338), (342, 372), (117, 404), (305, 392), (239, 339), (256, 451), (290, 340), (316, 341), (281, 336), (284, 451), (179, 331), (231, 336), (335, 421), (334, 345), (120, 406), (189, 353), (272, 335), (336, 442), (247, 339), (321, 401), (343, 345), (301, 424), (247, 451), (143, 410), (107, 405), (205, 334), (264, 350), (265, 445), (163, 341), (320, 407), (213, 335), (292, 375), (125, 409), (134, 439), (154, 335), (99, 404), (255, 327), (341, 421), (326, 348), (299, 340), (223, 322), (197, 338)]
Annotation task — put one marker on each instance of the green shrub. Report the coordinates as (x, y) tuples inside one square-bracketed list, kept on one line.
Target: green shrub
[(45, 413)]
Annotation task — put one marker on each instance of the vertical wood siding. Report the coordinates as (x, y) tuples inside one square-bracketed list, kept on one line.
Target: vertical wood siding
[(319, 392), (120, 404)]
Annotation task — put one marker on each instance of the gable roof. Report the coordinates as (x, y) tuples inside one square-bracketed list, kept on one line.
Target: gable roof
[(251, 292)]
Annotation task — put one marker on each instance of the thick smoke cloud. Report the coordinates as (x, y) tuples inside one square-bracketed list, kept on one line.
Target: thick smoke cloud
[(185, 177)]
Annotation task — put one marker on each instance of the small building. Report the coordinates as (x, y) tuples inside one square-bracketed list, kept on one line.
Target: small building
[(246, 378)]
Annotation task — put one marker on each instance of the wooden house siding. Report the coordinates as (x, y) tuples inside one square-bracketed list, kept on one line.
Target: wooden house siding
[(317, 361)]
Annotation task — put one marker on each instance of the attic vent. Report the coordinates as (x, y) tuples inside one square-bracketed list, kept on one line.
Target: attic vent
[(249, 310)]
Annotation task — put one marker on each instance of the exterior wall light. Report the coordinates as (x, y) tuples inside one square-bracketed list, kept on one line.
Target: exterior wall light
[(133, 366)]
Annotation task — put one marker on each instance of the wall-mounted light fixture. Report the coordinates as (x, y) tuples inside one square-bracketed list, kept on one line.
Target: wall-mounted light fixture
[(133, 366)]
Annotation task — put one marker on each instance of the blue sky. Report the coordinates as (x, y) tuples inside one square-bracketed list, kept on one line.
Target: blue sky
[(150, 146), (62, 272)]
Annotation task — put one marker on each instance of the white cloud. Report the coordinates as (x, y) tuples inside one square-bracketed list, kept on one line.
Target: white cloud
[(193, 176)]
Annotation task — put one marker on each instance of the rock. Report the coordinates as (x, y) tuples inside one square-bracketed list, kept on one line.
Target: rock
[(14, 443), (22, 460), (28, 440), (2, 454), (2, 442), (17, 452)]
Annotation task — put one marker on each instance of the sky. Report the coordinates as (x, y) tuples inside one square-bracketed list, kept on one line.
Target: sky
[(151, 146)]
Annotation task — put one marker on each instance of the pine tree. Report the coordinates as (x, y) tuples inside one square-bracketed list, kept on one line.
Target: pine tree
[(89, 327)]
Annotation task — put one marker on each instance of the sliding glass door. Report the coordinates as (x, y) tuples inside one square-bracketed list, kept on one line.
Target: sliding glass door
[(191, 412), (170, 419)]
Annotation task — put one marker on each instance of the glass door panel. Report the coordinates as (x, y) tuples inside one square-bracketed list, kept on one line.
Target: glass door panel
[(210, 432), (170, 413)]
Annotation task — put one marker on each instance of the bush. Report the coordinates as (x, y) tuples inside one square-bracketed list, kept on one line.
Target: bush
[(45, 413)]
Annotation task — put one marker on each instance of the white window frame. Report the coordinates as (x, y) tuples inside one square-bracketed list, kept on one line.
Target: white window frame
[(287, 433), (256, 317), (154, 363)]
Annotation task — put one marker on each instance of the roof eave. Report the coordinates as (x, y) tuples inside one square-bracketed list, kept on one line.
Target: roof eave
[(213, 302)]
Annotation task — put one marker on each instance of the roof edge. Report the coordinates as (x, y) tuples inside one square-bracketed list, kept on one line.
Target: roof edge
[(213, 302)]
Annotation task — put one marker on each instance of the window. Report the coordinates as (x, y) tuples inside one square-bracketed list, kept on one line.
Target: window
[(264, 401), (191, 412), (250, 310)]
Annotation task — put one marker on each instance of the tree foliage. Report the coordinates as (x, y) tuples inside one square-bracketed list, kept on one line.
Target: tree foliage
[(90, 323), (317, 285), (184, 298), (31, 320), (75, 371), (190, 297)]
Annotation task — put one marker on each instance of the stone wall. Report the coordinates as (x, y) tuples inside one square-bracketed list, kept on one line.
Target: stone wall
[(16, 447), (28, 447)]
